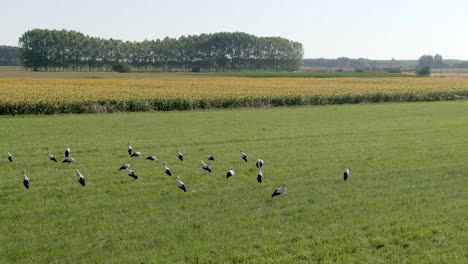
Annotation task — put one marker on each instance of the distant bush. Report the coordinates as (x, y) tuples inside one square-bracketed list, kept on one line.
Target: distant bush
[(339, 70), (424, 71), (360, 69), (121, 67)]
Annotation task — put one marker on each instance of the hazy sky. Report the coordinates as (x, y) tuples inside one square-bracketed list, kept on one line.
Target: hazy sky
[(375, 29)]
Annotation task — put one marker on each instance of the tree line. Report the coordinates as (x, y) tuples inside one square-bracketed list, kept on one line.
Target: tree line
[(340, 62), (57, 50), (9, 56), (436, 61)]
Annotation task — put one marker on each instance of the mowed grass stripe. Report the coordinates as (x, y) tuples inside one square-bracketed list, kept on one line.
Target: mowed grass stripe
[(405, 199)]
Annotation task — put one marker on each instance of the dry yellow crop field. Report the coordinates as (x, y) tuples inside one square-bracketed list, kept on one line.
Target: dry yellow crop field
[(79, 90), (63, 91)]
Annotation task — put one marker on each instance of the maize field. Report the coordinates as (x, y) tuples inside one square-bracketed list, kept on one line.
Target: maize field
[(50, 96)]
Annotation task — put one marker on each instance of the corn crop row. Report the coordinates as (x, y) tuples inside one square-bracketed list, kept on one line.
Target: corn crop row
[(50, 96)]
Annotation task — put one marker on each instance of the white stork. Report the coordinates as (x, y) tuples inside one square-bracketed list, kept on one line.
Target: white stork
[(25, 180), (346, 173), (51, 157), (180, 184), (125, 166), (205, 166), (154, 158), (10, 157), (260, 176), (80, 178), (180, 155), (67, 152), (136, 154), (68, 160), (243, 155), (279, 190), (231, 172), (210, 157), (130, 149), (131, 173), (259, 163), (167, 170)]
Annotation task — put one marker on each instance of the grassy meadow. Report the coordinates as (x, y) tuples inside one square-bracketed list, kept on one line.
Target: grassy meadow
[(405, 200)]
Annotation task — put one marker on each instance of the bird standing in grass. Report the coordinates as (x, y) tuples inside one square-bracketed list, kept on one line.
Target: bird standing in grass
[(180, 184), (279, 190), (180, 155), (67, 152), (130, 149), (231, 172), (260, 176), (51, 157), (153, 158), (259, 164), (243, 155), (80, 178), (125, 166), (210, 157), (10, 157), (205, 166), (167, 170), (25, 180), (346, 173), (68, 160), (131, 173), (136, 154)]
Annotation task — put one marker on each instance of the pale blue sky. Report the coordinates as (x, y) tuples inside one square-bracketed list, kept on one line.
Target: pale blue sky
[(358, 28)]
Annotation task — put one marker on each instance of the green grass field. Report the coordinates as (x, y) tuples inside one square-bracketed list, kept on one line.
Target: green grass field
[(405, 200)]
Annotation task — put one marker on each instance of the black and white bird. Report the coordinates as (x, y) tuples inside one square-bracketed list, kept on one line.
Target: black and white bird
[(205, 166), (130, 149), (80, 178), (243, 155), (125, 166), (279, 190), (230, 173), (167, 170), (180, 184), (51, 157), (154, 158), (10, 157), (180, 155), (68, 160), (131, 173), (67, 152), (260, 176), (136, 154), (25, 180), (259, 163), (346, 173), (210, 157)]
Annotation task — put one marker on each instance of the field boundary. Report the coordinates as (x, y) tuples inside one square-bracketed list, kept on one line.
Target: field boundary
[(179, 104)]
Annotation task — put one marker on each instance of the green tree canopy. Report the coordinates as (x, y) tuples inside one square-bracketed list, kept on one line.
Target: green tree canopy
[(439, 61), (43, 49), (426, 61), (9, 56)]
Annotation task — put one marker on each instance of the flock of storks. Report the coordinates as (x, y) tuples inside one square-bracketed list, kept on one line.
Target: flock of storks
[(231, 172), (127, 167)]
